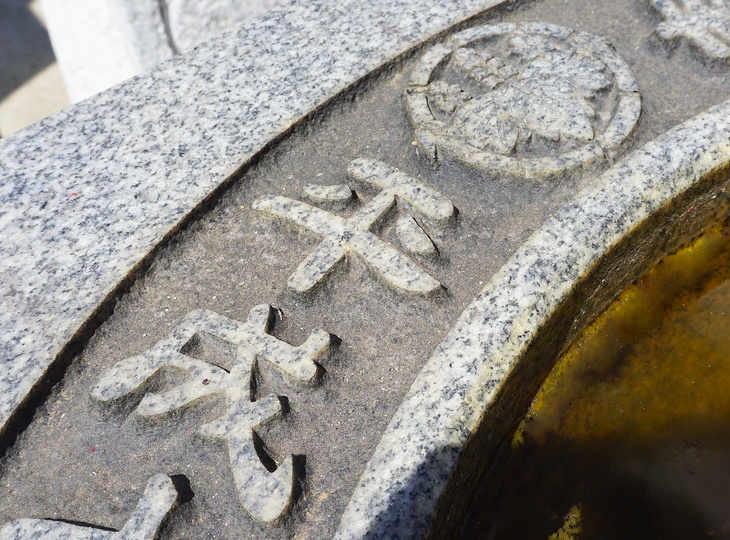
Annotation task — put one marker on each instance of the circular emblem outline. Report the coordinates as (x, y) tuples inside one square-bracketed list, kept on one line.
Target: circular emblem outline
[(433, 137)]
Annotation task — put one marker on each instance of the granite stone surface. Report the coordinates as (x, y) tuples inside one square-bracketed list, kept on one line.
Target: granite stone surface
[(265, 495), (274, 436), (89, 192), (192, 22), (706, 25), (100, 44), (398, 493), (353, 234), (158, 501), (547, 110)]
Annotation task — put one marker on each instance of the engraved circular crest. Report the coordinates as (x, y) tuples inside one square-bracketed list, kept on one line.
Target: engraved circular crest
[(533, 100)]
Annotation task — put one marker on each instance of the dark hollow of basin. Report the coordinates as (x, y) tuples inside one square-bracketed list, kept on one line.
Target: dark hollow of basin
[(673, 226)]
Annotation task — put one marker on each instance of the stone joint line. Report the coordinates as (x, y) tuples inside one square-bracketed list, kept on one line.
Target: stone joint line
[(265, 496), (353, 234)]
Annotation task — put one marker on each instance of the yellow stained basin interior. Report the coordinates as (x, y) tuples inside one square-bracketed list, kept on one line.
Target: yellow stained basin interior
[(629, 435)]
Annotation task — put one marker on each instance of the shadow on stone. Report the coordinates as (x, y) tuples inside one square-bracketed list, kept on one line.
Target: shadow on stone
[(25, 45)]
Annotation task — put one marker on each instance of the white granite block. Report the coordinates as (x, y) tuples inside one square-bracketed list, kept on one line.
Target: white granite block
[(193, 21)]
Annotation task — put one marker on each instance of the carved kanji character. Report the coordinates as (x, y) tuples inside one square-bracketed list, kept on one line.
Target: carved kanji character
[(704, 23), (266, 496), (354, 233)]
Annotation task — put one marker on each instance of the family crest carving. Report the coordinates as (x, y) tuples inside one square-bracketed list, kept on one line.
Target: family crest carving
[(528, 100), (159, 499), (353, 234), (706, 24), (265, 495)]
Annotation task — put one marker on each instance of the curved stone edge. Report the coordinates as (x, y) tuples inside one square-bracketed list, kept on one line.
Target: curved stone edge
[(412, 465), (76, 187)]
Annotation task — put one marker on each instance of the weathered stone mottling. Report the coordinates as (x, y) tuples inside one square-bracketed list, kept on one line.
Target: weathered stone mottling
[(339, 194), (342, 236), (543, 109), (266, 496), (399, 490), (158, 500), (705, 24), (76, 186), (412, 237)]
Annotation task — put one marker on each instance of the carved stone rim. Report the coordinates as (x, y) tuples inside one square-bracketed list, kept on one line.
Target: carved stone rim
[(132, 130), (477, 384), (429, 131)]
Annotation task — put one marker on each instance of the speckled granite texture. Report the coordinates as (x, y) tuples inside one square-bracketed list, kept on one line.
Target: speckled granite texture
[(353, 234), (100, 44), (158, 501), (265, 495), (705, 24), (87, 193), (191, 21), (398, 491), (501, 129)]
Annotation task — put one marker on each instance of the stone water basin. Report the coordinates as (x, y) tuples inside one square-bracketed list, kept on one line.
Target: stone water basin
[(458, 422), (627, 436)]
